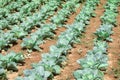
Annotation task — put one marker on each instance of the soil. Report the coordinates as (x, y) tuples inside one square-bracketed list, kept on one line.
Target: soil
[(114, 51), (35, 56), (79, 50)]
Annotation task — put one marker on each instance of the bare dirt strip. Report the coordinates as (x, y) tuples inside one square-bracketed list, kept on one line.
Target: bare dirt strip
[(80, 50), (114, 52), (35, 56)]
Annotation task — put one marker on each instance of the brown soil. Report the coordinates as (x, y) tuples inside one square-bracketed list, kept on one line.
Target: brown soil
[(114, 51), (35, 56), (80, 50)]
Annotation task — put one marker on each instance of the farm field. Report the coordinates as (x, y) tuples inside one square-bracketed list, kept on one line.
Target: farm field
[(59, 39)]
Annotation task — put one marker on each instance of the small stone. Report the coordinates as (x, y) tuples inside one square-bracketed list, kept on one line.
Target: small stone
[(64, 63), (80, 51)]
